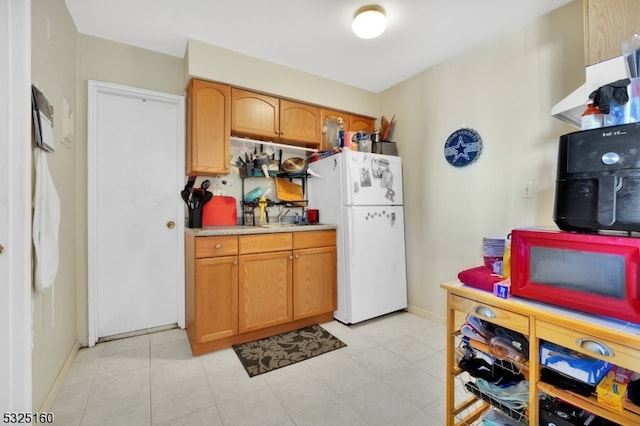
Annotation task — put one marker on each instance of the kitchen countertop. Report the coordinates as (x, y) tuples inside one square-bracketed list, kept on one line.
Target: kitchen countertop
[(206, 231)]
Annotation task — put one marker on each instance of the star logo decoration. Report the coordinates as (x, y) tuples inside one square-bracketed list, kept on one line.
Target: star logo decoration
[(463, 147)]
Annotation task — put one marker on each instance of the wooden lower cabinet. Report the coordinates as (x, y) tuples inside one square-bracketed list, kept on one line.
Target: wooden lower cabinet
[(265, 290), (314, 275), (217, 297), (245, 287)]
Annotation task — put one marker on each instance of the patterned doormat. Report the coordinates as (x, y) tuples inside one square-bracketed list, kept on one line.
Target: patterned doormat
[(271, 353)]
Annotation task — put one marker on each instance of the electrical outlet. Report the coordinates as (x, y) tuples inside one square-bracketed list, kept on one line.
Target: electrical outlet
[(527, 189)]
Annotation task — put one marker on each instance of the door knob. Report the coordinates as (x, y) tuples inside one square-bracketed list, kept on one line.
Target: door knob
[(171, 224)]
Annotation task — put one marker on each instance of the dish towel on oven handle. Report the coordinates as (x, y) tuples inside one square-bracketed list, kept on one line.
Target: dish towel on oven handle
[(46, 224)]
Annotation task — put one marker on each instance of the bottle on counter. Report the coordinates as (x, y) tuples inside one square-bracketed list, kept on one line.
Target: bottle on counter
[(592, 118), (506, 260), (340, 132)]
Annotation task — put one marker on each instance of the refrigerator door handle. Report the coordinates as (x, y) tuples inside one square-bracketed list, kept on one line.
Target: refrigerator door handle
[(352, 246), (393, 218)]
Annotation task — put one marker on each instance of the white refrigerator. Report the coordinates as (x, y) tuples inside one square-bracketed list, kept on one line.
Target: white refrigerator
[(361, 193)]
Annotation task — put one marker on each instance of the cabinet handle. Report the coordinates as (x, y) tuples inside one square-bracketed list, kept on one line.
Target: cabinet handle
[(290, 257), (235, 263), (594, 346), (297, 256), (484, 311), (218, 246)]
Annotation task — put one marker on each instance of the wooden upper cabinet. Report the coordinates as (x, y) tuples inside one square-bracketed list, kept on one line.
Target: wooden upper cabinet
[(208, 128), (351, 122), (299, 122), (361, 124), (255, 114), (607, 23), (267, 117), (328, 126)]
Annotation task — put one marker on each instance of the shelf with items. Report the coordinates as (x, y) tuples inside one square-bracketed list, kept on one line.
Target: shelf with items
[(480, 363), (594, 385), (590, 404), (285, 198), (501, 382), (598, 337)]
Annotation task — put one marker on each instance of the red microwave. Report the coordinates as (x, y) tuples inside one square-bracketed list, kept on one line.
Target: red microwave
[(594, 273)]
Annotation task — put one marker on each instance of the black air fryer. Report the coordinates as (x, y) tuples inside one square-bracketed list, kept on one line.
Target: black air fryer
[(598, 180)]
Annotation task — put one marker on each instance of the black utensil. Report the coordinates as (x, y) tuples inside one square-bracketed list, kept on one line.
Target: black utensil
[(190, 182), (205, 184), (185, 195), (197, 195)]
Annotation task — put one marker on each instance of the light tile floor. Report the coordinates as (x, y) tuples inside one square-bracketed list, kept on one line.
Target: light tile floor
[(392, 372)]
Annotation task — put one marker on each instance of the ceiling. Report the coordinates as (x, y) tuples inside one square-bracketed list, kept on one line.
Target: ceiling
[(312, 36)]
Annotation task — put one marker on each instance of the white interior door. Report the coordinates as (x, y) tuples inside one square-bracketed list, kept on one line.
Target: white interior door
[(15, 207), (136, 219)]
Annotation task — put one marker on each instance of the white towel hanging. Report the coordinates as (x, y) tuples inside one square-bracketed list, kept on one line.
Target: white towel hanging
[(46, 224)]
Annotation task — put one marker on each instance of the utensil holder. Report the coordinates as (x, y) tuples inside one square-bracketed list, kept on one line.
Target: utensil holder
[(247, 170), (195, 218)]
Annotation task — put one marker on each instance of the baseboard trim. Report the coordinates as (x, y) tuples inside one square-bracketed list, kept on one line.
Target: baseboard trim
[(426, 314), (59, 381)]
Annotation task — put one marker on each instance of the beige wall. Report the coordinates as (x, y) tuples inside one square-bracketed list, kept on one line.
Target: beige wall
[(215, 63), (54, 71), (504, 89)]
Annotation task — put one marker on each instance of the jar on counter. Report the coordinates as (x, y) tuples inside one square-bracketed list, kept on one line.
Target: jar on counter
[(592, 118)]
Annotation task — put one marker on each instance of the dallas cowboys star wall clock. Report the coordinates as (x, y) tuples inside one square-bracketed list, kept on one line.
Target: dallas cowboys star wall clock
[(463, 147)]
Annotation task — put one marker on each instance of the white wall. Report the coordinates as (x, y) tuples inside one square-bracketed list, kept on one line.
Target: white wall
[(504, 89)]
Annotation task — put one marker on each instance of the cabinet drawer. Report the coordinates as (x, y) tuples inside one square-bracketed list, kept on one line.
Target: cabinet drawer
[(495, 315), (587, 344), (310, 239), (216, 246), (262, 243)]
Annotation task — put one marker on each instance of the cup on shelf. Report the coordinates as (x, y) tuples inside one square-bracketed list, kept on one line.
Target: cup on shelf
[(313, 215)]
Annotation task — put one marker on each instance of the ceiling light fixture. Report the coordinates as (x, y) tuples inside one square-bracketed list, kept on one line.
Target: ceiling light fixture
[(369, 21)]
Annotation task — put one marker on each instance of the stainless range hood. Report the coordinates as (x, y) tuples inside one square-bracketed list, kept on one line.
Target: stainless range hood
[(570, 109)]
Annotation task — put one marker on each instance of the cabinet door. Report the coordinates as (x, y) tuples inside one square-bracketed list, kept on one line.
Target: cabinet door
[(216, 298), (314, 281), (607, 23), (255, 114), (264, 292), (300, 123), (208, 128), (329, 128), (361, 124)]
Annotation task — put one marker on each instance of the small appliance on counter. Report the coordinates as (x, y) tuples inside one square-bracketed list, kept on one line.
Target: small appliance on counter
[(596, 274), (598, 180), (221, 211)]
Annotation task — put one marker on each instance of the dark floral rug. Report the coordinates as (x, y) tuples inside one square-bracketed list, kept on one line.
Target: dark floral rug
[(271, 353)]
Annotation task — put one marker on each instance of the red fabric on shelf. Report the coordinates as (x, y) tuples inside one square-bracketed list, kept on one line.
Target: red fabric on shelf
[(479, 277)]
